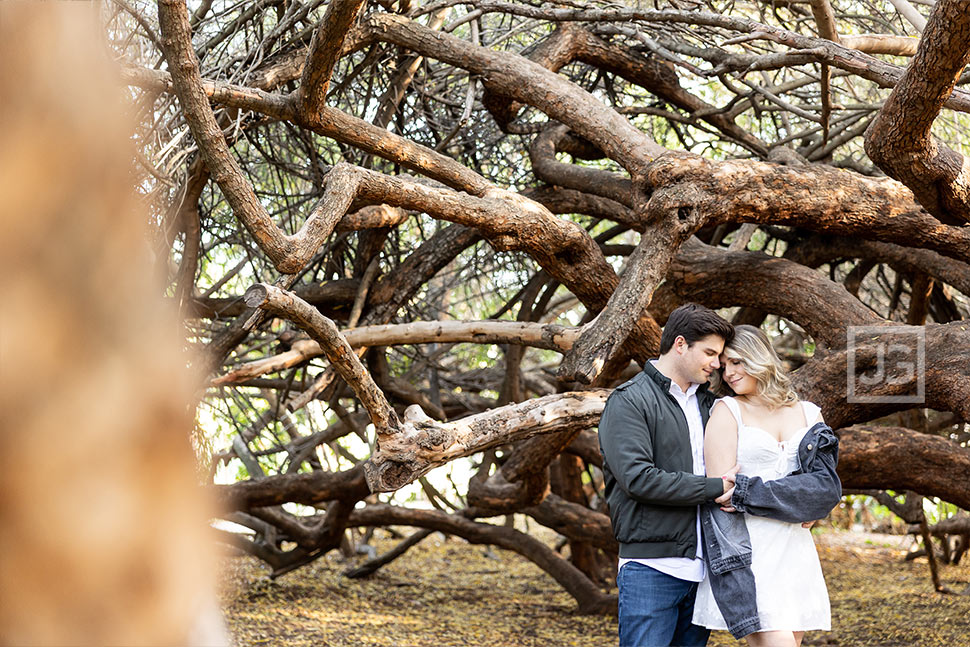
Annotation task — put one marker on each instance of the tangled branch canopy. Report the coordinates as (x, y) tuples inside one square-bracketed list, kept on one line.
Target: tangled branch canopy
[(405, 233)]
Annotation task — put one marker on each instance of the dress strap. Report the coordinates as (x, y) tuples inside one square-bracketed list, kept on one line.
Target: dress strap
[(811, 411), (733, 407)]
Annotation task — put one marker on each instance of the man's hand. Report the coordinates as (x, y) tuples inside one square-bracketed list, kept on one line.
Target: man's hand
[(728, 480), (809, 524), (725, 501)]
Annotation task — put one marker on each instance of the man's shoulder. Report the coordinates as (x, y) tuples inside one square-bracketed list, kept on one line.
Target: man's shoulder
[(632, 381), (638, 391), (639, 384)]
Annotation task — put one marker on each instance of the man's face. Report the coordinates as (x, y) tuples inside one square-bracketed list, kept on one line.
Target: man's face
[(700, 359)]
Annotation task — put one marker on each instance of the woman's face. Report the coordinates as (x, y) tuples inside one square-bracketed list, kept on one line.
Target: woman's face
[(737, 377)]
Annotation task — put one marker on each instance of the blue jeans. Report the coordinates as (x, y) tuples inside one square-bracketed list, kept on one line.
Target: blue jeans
[(655, 609)]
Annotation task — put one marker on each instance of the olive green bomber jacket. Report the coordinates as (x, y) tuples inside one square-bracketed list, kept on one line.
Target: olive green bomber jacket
[(651, 489)]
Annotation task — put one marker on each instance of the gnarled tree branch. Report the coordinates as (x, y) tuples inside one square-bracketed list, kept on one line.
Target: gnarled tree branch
[(900, 140)]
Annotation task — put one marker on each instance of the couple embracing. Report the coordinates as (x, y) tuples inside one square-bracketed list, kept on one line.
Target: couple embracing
[(712, 499)]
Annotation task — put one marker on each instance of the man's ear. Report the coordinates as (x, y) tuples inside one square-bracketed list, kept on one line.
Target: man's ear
[(680, 344)]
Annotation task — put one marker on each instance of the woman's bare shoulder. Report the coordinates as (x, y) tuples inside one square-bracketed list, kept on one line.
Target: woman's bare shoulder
[(721, 415)]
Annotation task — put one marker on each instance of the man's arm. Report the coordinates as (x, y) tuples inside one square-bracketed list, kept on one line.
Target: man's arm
[(628, 450)]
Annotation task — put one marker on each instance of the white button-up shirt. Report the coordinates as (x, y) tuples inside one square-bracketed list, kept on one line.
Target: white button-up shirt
[(685, 568)]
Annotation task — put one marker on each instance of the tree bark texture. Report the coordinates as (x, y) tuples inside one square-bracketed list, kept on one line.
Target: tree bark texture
[(900, 140)]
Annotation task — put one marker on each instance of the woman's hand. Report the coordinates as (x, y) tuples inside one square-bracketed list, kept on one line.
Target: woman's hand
[(728, 479)]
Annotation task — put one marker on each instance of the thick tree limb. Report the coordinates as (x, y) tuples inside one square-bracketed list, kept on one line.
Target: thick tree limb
[(875, 457), (372, 217), (523, 479), (424, 444), (900, 140), (542, 154), (332, 295), (958, 524), (646, 268), (560, 200), (717, 277), (575, 521), (847, 204), (825, 20), (882, 44), (824, 379), (308, 488)]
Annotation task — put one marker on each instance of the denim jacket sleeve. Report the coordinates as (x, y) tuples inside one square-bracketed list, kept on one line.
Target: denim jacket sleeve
[(807, 494), (727, 552)]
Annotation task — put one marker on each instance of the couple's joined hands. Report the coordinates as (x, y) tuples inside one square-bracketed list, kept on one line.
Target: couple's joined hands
[(728, 478)]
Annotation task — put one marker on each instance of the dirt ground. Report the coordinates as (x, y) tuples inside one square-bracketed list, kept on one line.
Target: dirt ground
[(446, 592)]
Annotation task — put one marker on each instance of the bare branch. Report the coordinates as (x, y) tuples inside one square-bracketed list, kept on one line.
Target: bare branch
[(587, 595), (341, 355), (909, 12), (521, 79), (882, 44), (325, 49), (548, 336), (647, 266)]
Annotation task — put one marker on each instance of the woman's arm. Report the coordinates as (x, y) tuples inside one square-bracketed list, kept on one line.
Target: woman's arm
[(720, 441)]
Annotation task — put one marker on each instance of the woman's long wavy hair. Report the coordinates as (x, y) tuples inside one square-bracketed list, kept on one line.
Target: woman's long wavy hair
[(752, 347)]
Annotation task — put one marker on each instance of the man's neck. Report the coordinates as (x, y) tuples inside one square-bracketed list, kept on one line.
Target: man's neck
[(669, 369)]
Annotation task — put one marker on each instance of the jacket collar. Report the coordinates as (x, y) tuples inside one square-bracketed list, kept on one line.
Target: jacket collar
[(663, 381)]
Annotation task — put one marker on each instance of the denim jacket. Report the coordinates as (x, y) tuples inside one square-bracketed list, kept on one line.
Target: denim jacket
[(807, 494)]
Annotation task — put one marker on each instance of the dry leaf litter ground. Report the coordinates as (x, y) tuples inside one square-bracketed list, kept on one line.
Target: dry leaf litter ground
[(446, 592)]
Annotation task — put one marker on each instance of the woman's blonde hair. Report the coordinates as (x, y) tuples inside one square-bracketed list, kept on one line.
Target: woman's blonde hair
[(752, 347)]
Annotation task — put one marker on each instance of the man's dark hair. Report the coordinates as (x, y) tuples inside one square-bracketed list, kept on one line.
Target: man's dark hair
[(693, 321)]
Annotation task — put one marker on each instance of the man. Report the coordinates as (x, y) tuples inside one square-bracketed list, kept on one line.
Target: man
[(652, 439)]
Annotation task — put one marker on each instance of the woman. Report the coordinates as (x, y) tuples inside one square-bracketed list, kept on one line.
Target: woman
[(760, 427)]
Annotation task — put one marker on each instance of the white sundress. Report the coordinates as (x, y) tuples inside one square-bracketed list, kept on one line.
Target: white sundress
[(791, 592)]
